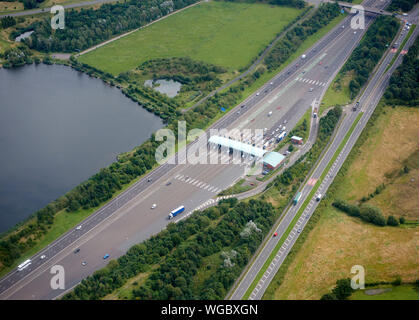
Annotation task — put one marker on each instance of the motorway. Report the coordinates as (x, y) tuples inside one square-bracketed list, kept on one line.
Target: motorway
[(128, 219), (368, 101)]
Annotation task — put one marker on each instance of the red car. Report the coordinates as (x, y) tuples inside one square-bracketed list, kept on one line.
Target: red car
[(275, 234)]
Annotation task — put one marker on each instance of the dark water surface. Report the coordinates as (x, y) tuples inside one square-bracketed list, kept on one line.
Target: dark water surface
[(57, 128)]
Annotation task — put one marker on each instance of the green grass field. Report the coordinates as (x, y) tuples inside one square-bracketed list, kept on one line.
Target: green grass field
[(222, 33), (403, 292)]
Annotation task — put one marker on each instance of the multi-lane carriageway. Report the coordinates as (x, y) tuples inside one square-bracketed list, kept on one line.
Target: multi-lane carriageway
[(256, 279), (128, 219)]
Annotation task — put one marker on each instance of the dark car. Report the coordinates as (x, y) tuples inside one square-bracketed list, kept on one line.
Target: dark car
[(77, 250)]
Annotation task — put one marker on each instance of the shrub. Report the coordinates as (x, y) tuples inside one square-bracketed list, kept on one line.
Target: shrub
[(392, 221)]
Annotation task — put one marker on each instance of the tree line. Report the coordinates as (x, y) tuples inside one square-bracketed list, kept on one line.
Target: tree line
[(367, 213), (369, 51), (231, 231)]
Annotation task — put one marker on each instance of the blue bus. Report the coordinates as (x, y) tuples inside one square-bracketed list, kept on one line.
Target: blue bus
[(176, 211)]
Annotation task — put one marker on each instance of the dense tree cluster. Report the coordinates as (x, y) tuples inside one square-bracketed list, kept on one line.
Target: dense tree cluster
[(404, 83), (87, 27), (365, 212), (300, 169), (293, 39), (341, 291), (404, 5), (369, 51), (181, 250), (194, 75), (7, 22)]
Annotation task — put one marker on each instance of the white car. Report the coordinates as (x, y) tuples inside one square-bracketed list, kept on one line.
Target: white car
[(78, 228), (43, 257), (153, 206), (271, 83), (258, 93)]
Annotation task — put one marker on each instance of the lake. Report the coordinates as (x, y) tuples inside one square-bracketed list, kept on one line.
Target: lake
[(58, 127)]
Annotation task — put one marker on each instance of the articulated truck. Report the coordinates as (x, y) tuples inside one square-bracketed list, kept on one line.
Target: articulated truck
[(176, 211), (297, 198)]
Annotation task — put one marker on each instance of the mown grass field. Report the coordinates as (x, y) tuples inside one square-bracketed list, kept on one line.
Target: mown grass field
[(222, 33), (338, 92), (338, 241)]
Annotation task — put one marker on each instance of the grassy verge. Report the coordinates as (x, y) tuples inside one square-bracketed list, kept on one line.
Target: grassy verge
[(300, 211), (237, 188)]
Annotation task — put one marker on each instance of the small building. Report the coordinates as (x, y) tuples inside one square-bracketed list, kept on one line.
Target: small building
[(296, 140), (272, 161)]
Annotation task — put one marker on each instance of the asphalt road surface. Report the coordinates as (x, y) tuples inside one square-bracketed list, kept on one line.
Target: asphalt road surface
[(368, 102), (129, 219)]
